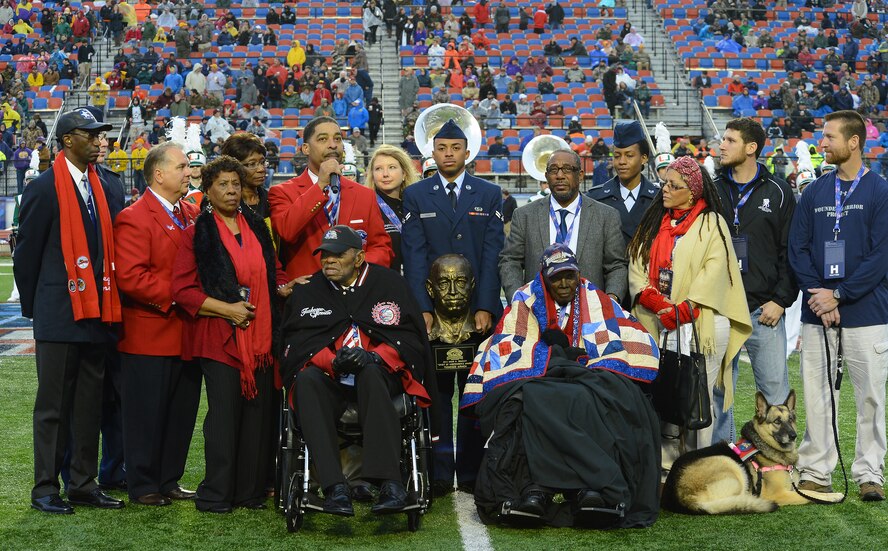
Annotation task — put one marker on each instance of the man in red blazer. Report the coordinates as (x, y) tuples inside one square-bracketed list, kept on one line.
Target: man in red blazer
[(305, 207), (160, 392)]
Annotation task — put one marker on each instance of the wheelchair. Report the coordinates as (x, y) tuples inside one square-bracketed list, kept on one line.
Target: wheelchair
[(297, 493)]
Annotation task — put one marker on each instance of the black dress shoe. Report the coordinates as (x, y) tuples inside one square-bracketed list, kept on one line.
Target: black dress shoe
[(533, 503), (589, 498), (96, 498), (179, 493), (119, 486), (337, 501), (361, 493), (392, 498), (52, 504), (215, 508), (154, 500)]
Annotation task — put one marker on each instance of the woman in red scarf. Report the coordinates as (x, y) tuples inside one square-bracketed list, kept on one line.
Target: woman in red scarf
[(681, 264), (227, 278)]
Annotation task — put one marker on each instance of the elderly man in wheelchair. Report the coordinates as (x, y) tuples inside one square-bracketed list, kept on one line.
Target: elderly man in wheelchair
[(354, 333), (560, 391)]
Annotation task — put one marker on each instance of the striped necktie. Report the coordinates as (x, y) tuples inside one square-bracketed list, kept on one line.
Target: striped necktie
[(90, 206), (331, 207)]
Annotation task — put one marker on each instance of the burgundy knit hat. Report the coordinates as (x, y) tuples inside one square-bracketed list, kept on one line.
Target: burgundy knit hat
[(690, 172)]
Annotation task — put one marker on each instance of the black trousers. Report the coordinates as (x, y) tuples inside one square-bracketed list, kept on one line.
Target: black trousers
[(68, 405), (111, 468), (465, 457), (236, 440), (160, 399), (320, 402)]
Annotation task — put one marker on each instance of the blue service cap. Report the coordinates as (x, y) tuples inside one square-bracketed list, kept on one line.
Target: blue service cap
[(628, 133), (450, 131)]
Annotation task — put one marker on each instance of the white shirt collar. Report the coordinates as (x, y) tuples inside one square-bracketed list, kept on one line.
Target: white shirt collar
[(572, 207), (624, 191), (169, 206), (77, 176), (458, 181)]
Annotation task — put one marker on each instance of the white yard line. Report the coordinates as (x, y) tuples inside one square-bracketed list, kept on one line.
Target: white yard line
[(471, 529)]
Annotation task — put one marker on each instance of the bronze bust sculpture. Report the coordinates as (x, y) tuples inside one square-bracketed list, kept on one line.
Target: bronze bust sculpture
[(450, 285)]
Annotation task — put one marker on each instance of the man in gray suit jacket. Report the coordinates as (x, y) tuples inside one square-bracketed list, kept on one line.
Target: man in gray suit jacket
[(589, 228)]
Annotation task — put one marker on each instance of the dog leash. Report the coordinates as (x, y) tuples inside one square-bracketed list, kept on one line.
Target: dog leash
[(840, 360)]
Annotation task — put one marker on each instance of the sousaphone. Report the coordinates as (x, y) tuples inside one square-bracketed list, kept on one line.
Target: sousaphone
[(537, 152), (432, 119)]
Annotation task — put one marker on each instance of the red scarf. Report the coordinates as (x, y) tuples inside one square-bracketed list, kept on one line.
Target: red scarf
[(254, 342), (75, 249), (664, 242)]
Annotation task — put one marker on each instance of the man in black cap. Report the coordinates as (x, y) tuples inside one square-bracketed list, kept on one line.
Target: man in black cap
[(629, 191), (454, 212), (354, 333), (65, 274), (112, 472)]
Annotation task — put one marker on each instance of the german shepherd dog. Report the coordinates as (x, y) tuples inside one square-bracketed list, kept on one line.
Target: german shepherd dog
[(752, 476)]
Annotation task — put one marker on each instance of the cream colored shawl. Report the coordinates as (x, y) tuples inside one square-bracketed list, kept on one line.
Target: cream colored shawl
[(700, 268)]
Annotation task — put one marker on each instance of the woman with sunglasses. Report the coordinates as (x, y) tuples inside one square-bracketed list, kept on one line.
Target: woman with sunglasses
[(682, 265)]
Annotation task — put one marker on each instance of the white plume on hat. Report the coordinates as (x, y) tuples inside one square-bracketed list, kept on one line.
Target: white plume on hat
[(189, 139), (663, 139), (709, 165), (804, 156), (349, 157)]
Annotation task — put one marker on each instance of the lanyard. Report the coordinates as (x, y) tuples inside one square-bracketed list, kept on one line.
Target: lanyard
[(388, 212), (555, 220), (840, 205), (743, 199), (173, 217)]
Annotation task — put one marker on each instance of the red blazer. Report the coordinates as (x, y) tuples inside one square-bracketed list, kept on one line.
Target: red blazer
[(146, 241), (298, 218)]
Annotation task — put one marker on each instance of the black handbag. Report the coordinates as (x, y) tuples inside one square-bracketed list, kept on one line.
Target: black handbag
[(681, 391)]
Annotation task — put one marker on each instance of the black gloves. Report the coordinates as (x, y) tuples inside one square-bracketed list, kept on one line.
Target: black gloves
[(555, 337), (351, 361), (561, 346)]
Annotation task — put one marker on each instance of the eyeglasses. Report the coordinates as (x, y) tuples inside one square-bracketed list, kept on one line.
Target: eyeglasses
[(253, 165), (567, 170), (88, 137), (672, 187)]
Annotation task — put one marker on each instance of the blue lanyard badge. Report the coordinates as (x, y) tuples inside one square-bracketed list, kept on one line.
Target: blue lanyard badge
[(389, 213), (743, 200), (564, 236), (840, 205), (172, 217)]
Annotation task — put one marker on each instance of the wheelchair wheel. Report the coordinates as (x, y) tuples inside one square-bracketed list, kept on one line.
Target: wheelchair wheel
[(295, 515), (414, 520)]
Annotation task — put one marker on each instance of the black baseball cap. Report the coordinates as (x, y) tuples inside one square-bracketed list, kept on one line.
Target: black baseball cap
[(339, 239), (79, 119)]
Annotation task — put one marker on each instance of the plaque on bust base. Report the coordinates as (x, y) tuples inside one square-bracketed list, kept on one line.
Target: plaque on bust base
[(455, 357)]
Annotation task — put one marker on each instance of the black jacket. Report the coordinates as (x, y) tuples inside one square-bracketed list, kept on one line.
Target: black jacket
[(316, 315), (609, 194), (765, 220), (40, 268), (573, 428)]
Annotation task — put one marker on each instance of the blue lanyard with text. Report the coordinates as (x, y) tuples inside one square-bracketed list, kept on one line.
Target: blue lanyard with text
[(564, 238), (840, 205), (172, 217), (388, 212), (743, 199)]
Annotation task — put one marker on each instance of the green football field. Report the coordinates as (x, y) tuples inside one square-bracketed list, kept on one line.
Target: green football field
[(451, 523)]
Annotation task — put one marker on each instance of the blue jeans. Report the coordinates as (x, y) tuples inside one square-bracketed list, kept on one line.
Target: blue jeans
[(767, 354)]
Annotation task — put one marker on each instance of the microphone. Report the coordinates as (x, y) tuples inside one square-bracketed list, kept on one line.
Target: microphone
[(334, 183)]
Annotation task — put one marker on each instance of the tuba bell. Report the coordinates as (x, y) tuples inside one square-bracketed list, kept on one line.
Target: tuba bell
[(537, 152), (432, 119)]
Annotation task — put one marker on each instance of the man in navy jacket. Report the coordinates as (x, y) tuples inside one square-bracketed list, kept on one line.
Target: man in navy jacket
[(454, 212), (839, 251)]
